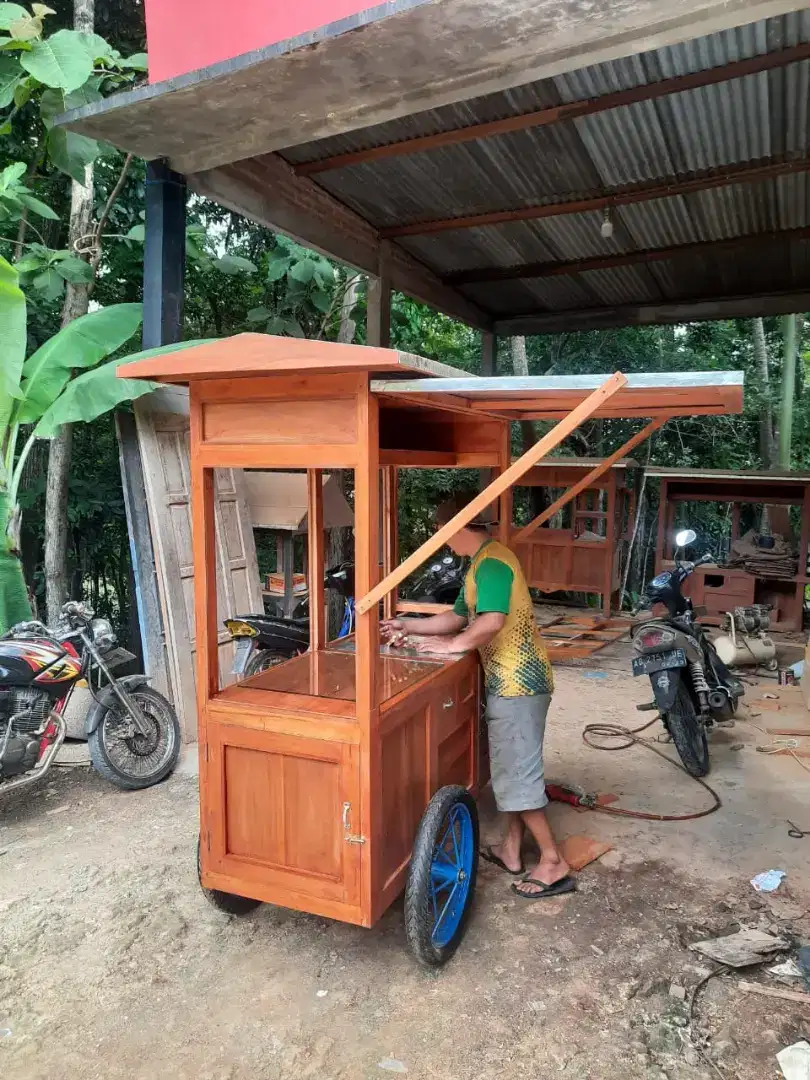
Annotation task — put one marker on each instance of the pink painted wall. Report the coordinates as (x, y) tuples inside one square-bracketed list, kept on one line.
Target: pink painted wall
[(188, 34)]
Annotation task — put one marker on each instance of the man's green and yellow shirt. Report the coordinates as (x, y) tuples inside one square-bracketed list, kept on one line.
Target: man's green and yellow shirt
[(515, 661)]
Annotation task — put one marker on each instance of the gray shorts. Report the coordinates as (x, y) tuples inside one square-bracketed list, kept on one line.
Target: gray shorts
[(516, 726)]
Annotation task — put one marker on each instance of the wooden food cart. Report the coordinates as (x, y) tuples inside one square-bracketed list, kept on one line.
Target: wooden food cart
[(331, 781)]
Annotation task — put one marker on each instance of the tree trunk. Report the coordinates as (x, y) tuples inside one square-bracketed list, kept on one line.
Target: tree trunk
[(789, 338), (348, 326), (767, 440), (528, 433), (76, 303)]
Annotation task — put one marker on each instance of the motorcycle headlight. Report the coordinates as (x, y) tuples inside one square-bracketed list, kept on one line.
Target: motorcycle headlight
[(103, 633)]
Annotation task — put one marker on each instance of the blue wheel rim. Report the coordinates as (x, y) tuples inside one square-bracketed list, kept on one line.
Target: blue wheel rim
[(450, 874)]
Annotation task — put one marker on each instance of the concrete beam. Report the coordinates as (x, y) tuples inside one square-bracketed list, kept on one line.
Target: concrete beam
[(267, 190), (610, 318), (411, 56)]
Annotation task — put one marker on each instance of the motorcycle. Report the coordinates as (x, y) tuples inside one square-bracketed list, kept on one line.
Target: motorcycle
[(132, 730), (262, 641), (692, 686)]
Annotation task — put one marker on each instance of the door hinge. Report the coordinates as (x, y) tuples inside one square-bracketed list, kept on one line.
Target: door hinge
[(347, 828)]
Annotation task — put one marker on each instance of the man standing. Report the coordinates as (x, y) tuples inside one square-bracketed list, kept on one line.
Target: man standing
[(494, 614)]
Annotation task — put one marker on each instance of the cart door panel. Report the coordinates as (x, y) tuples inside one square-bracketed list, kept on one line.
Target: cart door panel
[(456, 728), (275, 811)]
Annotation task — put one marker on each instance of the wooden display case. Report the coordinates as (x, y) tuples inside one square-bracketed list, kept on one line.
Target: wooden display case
[(720, 589), (315, 775)]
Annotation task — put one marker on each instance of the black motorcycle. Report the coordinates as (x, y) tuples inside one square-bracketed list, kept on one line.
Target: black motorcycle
[(132, 731), (262, 641), (693, 688)]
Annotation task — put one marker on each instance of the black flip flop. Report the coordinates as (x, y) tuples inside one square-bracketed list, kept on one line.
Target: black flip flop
[(488, 855), (557, 888)]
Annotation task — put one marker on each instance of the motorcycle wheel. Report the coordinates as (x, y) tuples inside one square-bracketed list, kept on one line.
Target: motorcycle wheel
[(125, 757), (688, 733), (263, 659)]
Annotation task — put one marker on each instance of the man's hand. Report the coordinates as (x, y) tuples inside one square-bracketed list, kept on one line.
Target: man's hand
[(391, 627), (442, 646)]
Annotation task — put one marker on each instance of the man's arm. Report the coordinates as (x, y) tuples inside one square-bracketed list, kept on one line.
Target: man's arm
[(480, 632), (446, 623), (493, 580)]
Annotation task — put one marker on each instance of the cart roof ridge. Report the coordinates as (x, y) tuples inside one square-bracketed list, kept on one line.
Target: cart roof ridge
[(679, 393), (246, 355)]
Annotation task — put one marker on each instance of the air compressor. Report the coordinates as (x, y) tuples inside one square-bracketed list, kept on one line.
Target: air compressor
[(744, 640)]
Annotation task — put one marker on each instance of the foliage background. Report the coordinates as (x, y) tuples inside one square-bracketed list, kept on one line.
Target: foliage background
[(284, 289)]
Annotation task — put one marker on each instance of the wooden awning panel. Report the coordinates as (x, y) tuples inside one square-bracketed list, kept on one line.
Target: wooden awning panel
[(696, 393), (250, 355)]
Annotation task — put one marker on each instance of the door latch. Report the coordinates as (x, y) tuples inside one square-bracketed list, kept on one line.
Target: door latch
[(347, 828)]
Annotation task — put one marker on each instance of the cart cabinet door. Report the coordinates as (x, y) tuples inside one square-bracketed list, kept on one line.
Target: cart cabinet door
[(279, 812)]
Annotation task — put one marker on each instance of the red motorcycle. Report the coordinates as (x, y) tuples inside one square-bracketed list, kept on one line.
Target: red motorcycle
[(132, 730)]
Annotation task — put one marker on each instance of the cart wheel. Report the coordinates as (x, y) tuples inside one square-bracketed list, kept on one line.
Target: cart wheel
[(442, 875), (225, 901)]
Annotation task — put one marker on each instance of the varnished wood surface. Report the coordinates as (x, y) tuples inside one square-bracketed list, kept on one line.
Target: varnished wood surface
[(315, 561), (246, 356)]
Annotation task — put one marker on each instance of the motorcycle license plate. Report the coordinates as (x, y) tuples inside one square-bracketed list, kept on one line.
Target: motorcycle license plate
[(241, 655), (659, 661)]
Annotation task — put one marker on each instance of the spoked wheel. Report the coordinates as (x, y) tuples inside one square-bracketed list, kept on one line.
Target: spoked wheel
[(688, 732), (442, 876), (225, 901), (126, 757), (263, 659)]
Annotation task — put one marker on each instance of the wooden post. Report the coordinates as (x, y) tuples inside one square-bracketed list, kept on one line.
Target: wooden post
[(378, 304), (390, 534), (804, 540), (505, 501), (592, 403), (367, 549), (489, 366), (205, 588), (489, 353), (163, 279), (661, 539), (315, 561), (735, 521), (288, 570), (610, 541)]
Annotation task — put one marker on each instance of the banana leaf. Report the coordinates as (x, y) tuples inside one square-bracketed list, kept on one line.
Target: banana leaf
[(97, 391), (12, 340), (14, 606), (81, 344)]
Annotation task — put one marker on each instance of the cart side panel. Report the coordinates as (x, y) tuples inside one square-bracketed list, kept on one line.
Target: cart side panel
[(428, 739), (278, 816)]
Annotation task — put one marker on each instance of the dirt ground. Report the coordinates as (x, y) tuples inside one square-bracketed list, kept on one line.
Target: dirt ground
[(112, 963)]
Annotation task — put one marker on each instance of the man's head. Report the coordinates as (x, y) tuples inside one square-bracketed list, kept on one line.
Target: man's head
[(470, 537)]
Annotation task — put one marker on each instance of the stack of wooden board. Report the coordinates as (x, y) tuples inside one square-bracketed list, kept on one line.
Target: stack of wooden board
[(575, 637)]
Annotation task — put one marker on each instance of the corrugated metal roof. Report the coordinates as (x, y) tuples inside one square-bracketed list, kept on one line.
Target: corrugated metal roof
[(759, 117)]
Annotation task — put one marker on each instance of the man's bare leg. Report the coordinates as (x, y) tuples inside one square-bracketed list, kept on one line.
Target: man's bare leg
[(509, 850), (552, 866)]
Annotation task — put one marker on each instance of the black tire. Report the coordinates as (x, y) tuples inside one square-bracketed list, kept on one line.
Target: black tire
[(688, 733), (225, 901), (419, 918), (130, 760), (263, 659)]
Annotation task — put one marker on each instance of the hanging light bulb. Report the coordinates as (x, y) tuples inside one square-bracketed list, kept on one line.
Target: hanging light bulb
[(607, 225)]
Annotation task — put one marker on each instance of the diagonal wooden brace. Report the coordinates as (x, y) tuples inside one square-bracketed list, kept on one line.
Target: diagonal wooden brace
[(584, 411), (587, 480)]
